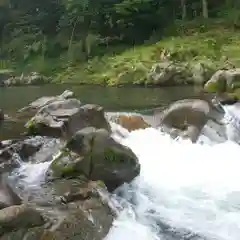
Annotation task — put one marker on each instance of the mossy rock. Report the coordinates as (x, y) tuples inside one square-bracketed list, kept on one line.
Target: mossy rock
[(68, 164)]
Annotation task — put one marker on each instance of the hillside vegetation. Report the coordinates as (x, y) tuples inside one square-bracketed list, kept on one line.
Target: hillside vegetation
[(116, 42)]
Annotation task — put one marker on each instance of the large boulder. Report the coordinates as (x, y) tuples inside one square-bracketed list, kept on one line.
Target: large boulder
[(63, 118), (36, 105), (97, 156), (167, 73), (8, 197), (172, 73), (19, 217), (224, 81), (72, 209), (186, 116)]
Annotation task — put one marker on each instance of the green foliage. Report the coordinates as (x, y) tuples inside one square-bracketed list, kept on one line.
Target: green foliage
[(85, 40)]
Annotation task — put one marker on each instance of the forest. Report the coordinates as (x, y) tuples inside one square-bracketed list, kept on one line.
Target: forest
[(55, 35)]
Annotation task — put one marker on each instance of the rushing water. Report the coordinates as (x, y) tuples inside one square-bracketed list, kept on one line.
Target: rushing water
[(185, 191)]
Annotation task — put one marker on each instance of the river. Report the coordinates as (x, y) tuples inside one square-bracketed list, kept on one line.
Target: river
[(185, 191)]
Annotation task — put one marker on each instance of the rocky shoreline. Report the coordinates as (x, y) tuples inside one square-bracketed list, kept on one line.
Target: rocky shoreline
[(161, 74), (83, 162)]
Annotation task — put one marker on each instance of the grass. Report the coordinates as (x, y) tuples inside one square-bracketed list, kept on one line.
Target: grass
[(211, 46), (208, 43)]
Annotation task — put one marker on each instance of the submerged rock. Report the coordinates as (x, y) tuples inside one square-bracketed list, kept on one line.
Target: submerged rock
[(63, 118), (187, 116), (98, 157)]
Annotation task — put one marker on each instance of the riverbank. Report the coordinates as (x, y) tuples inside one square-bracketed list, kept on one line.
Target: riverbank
[(194, 52), (212, 46)]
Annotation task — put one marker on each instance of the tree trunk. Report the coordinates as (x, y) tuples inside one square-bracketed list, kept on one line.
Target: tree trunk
[(184, 9), (72, 35), (204, 8)]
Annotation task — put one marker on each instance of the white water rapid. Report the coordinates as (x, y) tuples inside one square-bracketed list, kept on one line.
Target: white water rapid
[(184, 191)]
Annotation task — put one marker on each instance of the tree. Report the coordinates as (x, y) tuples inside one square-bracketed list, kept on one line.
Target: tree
[(205, 8)]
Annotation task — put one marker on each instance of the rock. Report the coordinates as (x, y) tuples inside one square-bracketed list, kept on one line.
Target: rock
[(36, 79), (79, 211), (5, 74), (223, 81), (63, 118), (21, 150), (8, 197), (188, 116), (18, 217), (33, 107), (33, 78), (98, 157), (200, 73), (167, 73), (171, 73), (226, 99), (131, 122)]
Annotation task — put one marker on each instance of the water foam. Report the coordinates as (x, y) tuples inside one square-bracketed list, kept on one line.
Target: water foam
[(184, 191)]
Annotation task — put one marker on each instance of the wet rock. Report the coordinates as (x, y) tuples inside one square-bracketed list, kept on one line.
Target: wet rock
[(131, 122), (227, 99), (20, 150), (97, 156), (63, 118), (18, 217), (188, 116), (223, 81), (81, 213), (8, 197), (7, 143), (33, 107)]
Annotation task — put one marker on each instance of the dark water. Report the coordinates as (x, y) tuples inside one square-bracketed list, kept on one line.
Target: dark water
[(112, 99)]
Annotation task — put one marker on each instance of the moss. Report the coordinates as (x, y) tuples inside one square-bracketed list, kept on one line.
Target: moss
[(32, 127), (116, 156), (112, 156), (61, 165), (211, 87), (236, 93)]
